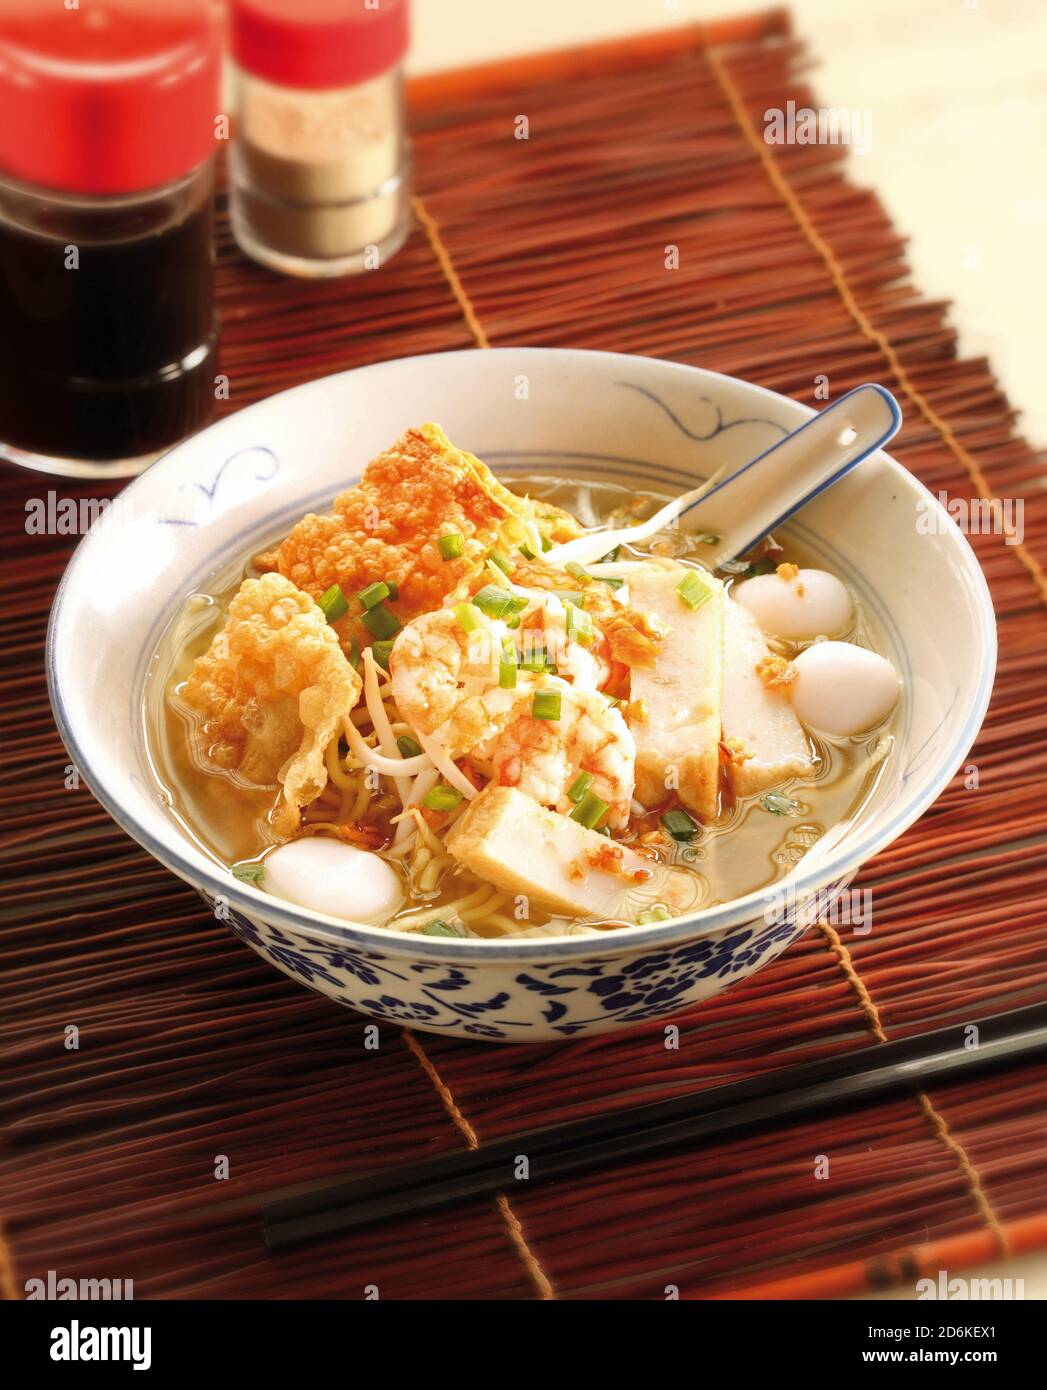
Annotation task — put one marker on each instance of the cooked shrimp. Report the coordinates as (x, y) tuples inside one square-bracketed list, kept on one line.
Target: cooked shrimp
[(544, 757), (588, 663), (445, 680), (582, 662)]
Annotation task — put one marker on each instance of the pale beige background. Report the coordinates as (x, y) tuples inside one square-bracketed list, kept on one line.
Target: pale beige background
[(958, 95)]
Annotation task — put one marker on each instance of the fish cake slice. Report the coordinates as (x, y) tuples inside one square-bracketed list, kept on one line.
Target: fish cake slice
[(678, 742), (767, 740), (507, 839)]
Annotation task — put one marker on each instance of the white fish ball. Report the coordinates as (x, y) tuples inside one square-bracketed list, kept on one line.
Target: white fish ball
[(800, 607), (842, 690), (337, 879)]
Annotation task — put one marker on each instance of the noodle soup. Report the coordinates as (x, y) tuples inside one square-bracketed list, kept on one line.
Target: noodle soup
[(456, 737)]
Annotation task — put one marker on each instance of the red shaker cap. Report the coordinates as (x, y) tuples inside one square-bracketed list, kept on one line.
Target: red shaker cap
[(318, 43), (112, 96)]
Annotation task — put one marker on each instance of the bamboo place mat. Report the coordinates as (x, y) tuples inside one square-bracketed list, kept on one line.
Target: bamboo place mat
[(191, 1047)]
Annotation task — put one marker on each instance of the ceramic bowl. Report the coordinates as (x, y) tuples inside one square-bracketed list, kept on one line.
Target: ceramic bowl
[(635, 421)]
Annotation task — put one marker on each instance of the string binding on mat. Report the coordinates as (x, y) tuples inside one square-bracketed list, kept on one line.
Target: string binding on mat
[(513, 1228)]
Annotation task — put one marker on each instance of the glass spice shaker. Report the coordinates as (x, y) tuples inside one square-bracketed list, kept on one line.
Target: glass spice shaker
[(107, 135), (320, 167)]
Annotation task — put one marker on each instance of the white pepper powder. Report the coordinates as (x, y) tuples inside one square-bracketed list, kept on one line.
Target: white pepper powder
[(320, 171)]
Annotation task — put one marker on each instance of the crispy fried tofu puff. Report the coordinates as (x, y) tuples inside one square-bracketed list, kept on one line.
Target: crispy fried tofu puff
[(272, 689), (388, 528)]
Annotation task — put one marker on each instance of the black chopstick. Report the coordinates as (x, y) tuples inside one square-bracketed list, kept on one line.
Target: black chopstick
[(327, 1193), (717, 1113)]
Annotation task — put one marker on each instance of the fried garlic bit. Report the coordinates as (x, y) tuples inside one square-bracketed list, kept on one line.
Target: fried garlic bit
[(273, 688), (775, 672), (389, 527), (635, 638)]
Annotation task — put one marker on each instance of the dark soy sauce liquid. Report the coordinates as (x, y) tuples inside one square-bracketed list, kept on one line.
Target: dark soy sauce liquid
[(114, 358)]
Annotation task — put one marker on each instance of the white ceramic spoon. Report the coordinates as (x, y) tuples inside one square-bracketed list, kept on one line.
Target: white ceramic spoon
[(740, 507)]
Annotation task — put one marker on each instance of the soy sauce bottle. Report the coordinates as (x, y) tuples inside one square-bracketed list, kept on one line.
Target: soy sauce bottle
[(107, 136)]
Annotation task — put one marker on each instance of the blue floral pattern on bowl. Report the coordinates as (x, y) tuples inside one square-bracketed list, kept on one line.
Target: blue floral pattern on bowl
[(515, 1001)]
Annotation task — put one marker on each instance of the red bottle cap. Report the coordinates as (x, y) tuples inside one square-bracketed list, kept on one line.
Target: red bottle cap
[(318, 43), (109, 96)]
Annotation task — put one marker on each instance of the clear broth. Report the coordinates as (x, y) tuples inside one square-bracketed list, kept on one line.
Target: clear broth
[(749, 848)]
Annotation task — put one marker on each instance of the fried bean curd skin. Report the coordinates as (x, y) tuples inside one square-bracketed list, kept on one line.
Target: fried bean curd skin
[(389, 528), (273, 688)]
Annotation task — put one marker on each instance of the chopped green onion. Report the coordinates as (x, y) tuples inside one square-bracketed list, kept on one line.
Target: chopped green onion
[(380, 651), (574, 596), (507, 665), (497, 603), (451, 545), (334, 604), (613, 581), (590, 811), (658, 913), (248, 873), (611, 556), (526, 551), (354, 654), (708, 539), (579, 626), (581, 784), (680, 825), (546, 704), (497, 558), (779, 805), (536, 658), (578, 571), (394, 589), (407, 746), (692, 591), (760, 567), (374, 593), (470, 618), (546, 542), (380, 622), (442, 798), (441, 928)]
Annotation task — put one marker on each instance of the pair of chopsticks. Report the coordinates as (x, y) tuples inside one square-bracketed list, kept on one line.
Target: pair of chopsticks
[(721, 1112)]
